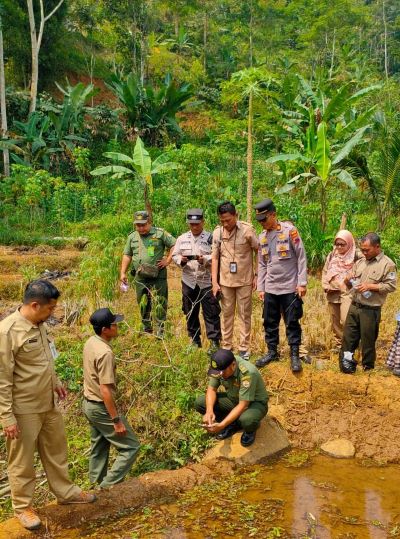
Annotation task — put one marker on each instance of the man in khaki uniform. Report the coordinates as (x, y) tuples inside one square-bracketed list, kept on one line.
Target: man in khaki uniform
[(235, 244), (145, 248), (28, 410), (107, 427), (242, 404), (374, 277)]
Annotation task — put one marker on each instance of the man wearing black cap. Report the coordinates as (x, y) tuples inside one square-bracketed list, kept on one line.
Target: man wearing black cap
[(192, 252), (242, 405), (146, 249), (282, 281), (107, 426)]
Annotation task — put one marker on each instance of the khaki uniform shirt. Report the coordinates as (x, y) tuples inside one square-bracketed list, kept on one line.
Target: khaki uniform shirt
[(98, 367), (380, 270), (27, 375), (282, 262), (236, 246), (149, 248), (194, 273), (246, 383)]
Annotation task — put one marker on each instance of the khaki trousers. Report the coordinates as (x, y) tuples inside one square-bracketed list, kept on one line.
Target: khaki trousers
[(338, 312), (44, 432), (240, 298)]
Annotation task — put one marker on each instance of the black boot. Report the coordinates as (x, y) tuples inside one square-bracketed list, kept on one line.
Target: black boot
[(228, 431), (295, 362), (214, 346), (271, 355)]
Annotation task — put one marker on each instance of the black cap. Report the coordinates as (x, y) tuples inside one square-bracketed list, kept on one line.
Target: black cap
[(194, 215), (103, 318), (141, 217), (263, 207), (221, 360)]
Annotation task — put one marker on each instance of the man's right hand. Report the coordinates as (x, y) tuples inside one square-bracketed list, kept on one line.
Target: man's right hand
[(216, 289), (261, 296), (12, 431), (209, 418), (124, 278), (120, 428)]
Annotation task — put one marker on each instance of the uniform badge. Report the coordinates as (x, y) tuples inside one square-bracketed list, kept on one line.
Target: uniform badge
[(392, 275), (283, 253), (282, 236), (246, 384)]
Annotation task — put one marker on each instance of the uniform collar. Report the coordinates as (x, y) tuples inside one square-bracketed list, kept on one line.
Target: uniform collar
[(377, 258), (25, 321), (102, 340)]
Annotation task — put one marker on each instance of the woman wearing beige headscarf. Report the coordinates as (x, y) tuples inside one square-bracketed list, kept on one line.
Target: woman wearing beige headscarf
[(338, 264)]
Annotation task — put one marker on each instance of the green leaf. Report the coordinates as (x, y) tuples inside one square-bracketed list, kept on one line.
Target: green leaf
[(357, 138), (287, 157), (322, 161), (111, 169), (346, 178), (117, 156), (285, 188), (141, 159)]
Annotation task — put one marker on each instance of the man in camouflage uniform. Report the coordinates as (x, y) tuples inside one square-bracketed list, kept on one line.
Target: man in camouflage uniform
[(146, 249), (192, 253), (282, 281), (242, 405), (373, 278)]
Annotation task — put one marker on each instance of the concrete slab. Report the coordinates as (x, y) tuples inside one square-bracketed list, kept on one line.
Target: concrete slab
[(271, 439)]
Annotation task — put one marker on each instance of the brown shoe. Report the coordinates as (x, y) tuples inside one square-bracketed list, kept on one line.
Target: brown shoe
[(29, 519), (82, 497)]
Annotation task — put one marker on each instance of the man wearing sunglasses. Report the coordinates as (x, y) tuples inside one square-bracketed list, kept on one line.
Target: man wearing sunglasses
[(282, 281)]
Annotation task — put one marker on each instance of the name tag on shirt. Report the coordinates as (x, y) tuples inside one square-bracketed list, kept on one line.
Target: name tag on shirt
[(53, 350), (150, 250)]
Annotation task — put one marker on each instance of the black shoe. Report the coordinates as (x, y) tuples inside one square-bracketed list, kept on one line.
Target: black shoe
[(228, 431), (271, 355), (347, 365), (247, 438), (295, 362), (368, 367)]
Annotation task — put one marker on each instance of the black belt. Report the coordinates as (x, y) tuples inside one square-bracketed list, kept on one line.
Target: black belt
[(369, 307), (95, 402)]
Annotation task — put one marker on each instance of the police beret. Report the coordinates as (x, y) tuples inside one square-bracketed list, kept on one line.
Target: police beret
[(263, 207), (194, 215)]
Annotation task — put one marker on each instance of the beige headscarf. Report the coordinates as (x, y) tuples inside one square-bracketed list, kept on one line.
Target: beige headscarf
[(338, 264)]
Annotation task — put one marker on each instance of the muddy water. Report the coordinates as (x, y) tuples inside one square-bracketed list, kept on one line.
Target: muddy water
[(324, 499)]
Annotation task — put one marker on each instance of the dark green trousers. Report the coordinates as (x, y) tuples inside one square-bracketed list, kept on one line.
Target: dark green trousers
[(362, 324), (102, 437), (152, 294), (250, 419)]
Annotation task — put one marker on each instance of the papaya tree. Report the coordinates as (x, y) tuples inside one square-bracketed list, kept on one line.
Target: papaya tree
[(138, 166)]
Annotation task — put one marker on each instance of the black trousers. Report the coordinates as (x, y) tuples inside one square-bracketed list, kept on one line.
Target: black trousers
[(192, 298), (362, 323), (290, 306)]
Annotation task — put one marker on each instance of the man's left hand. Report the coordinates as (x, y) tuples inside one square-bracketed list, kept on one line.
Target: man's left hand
[(363, 287), (61, 392), (163, 263), (215, 428), (301, 291)]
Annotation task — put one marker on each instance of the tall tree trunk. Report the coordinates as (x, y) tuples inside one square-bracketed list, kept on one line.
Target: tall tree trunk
[(385, 40), (333, 54), (251, 35), (250, 158), (36, 42), (147, 202), (323, 207), (6, 156)]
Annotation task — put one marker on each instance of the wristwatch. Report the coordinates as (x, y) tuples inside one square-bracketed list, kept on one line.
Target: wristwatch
[(116, 419)]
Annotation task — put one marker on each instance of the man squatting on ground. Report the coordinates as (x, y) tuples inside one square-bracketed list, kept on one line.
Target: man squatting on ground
[(234, 244), (107, 427), (282, 281), (28, 407), (242, 405), (149, 250), (192, 252), (373, 278)]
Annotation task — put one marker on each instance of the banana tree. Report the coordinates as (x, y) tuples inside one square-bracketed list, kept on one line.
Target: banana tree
[(326, 131), (138, 166)]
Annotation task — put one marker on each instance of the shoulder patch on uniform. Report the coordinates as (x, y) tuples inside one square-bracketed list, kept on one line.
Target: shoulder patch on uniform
[(294, 235), (246, 383), (243, 368), (391, 275)]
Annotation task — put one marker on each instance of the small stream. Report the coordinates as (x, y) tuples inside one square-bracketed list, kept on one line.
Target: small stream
[(321, 498)]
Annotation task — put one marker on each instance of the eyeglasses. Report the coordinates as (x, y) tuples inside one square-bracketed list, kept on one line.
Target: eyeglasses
[(340, 244)]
